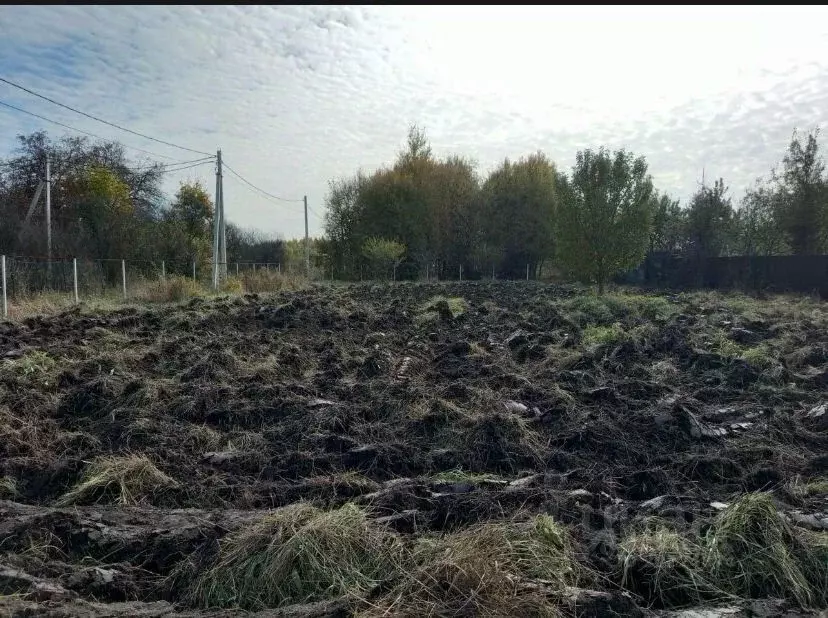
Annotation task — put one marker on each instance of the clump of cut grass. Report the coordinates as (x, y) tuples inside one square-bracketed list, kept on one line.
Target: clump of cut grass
[(174, 289), (483, 571), (458, 475), (603, 335), (33, 363), (438, 411), (8, 488), (588, 309), (497, 440), (298, 554), (752, 551), (447, 308), (662, 565), (808, 489), (132, 479), (723, 346), (759, 356), (349, 483)]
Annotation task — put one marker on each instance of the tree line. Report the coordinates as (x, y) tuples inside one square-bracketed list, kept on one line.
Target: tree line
[(438, 215), (108, 207)]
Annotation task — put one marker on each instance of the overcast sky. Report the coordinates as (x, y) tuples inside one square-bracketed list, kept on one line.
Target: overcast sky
[(297, 95)]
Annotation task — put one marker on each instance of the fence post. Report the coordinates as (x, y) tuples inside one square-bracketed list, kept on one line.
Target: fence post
[(394, 274), (279, 268), (194, 274), (527, 272), (163, 271), (267, 266), (123, 276), (5, 299), (426, 273), (75, 278), (461, 272), (493, 275)]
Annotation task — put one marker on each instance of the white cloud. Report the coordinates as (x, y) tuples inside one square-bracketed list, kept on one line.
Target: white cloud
[(298, 95)]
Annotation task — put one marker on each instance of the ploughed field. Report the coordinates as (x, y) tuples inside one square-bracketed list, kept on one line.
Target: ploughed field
[(473, 449)]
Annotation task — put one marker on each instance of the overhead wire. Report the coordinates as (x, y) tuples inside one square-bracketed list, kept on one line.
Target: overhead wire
[(244, 180), (111, 124), (66, 126)]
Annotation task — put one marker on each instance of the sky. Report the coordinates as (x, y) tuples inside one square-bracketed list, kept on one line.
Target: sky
[(296, 96)]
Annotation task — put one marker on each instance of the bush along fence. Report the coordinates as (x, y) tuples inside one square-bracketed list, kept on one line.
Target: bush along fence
[(25, 277)]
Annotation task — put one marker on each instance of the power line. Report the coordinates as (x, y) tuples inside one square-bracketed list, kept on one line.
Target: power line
[(165, 165), (275, 197), (181, 169), (111, 124), (66, 126)]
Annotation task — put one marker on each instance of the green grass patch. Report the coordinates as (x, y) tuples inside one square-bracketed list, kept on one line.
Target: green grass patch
[(298, 554), (760, 356), (603, 335)]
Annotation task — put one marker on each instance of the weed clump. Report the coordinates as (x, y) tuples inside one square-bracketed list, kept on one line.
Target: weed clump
[(174, 289), (441, 307), (487, 570), (8, 488), (759, 356), (262, 281), (603, 335), (752, 551), (662, 565), (298, 554), (498, 441), (121, 480)]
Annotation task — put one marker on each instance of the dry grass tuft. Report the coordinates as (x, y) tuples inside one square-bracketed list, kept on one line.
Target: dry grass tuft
[(298, 554), (490, 569), (663, 566), (132, 479), (174, 289)]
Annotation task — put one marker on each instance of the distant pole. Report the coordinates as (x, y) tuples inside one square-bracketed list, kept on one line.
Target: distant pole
[(75, 277), (461, 272), (194, 273), (307, 241), (237, 269), (3, 277), (279, 268), (527, 272), (123, 276), (48, 218), (493, 275), (426, 273), (163, 271)]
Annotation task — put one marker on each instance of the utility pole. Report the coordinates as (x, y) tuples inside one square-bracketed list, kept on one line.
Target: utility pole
[(307, 242), (223, 221), (216, 222), (48, 219)]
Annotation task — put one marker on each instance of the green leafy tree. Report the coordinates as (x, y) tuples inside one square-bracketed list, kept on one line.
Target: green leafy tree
[(382, 254), (519, 203), (189, 227), (803, 205), (710, 221), (757, 222), (605, 215), (668, 228)]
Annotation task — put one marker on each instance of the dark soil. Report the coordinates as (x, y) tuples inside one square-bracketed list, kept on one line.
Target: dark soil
[(332, 395)]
